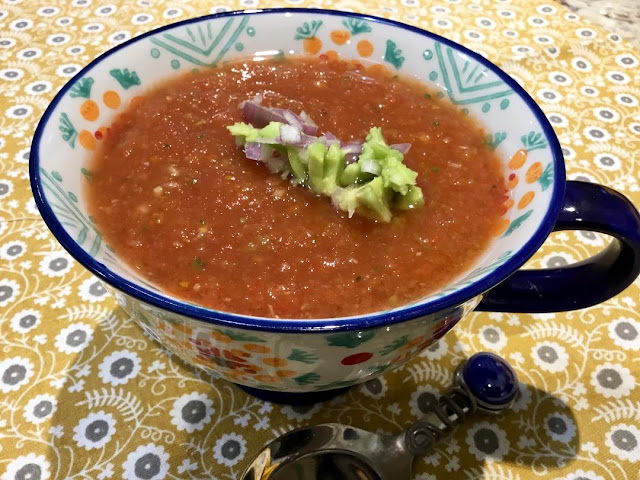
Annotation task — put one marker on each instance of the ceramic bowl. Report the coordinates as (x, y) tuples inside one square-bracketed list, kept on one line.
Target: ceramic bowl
[(323, 354)]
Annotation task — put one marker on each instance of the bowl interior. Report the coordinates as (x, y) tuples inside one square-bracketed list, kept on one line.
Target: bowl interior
[(78, 117)]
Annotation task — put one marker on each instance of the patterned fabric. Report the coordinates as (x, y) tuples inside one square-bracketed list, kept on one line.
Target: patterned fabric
[(85, 394)]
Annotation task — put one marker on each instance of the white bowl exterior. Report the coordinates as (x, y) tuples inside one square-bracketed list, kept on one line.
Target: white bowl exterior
[(292, 362)]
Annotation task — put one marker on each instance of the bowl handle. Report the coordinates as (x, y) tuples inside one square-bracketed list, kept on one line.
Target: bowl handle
[(586, 206)]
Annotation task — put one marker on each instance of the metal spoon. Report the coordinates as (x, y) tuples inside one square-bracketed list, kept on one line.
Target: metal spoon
[(485, 383)]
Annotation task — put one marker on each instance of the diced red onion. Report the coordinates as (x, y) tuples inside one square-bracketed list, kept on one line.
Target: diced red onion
[(308, 125), (256, 99), (331, 137), (260, 152), (290, 135), (253, 150), (303, 142), (307, 140), (260, 116), (403, 148), (309, 129), (292, 119), (270, 141)]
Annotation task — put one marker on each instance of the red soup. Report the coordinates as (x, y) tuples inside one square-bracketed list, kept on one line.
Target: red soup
[(179, 202)]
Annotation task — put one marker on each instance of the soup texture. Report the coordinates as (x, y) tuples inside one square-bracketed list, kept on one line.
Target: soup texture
[(180, 203)]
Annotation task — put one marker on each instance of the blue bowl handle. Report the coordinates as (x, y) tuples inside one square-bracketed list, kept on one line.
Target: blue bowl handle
[(586, 206)]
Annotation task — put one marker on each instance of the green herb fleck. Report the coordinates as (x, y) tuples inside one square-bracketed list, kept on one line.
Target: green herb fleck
[(201, 222), (358, 278), (435, 169), (494, 186), (127, 179), (427, 95), (201, 135), (435, 124), (198, 263)]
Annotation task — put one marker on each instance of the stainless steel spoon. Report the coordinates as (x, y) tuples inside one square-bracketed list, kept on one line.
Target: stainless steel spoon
[(332, 451)]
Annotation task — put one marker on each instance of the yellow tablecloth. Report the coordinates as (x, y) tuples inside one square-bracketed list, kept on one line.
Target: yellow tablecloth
[(64, 414)]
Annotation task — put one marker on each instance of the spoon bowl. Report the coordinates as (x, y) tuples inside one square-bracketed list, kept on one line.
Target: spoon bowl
[(332, 451)]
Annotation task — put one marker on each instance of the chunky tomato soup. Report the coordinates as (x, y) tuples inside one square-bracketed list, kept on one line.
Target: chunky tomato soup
[(179, 202)]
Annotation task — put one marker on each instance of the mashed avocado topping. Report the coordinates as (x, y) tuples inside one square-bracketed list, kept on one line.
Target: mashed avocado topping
[(366, 178)]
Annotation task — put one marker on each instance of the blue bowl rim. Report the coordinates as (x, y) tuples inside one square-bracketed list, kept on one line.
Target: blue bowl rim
[(361, 322)]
